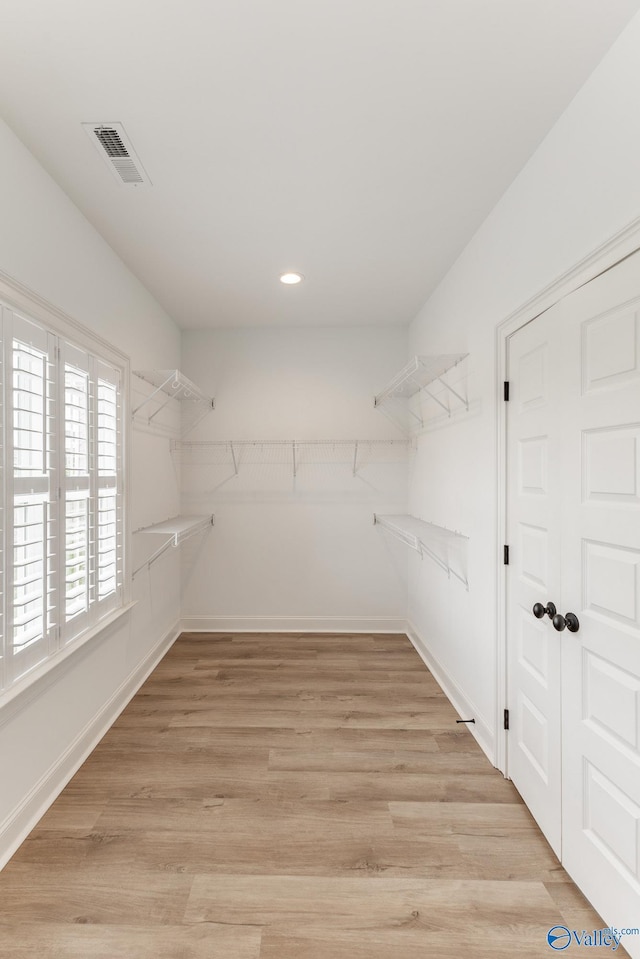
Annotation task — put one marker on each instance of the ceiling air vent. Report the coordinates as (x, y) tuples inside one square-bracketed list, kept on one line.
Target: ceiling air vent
[(115, 148)]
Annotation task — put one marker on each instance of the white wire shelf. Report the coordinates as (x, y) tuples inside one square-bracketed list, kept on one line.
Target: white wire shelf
[(421, 373), (291, 453), (444, 546), (173, 385), (178, 529)]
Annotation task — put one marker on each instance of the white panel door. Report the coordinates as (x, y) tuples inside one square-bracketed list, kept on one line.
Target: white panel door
[(574, 511), (600, 331), (534, 503)]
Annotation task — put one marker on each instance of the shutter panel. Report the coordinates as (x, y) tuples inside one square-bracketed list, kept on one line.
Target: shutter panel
[(31, 538), (110, 508), (107, 544), (93, 507), (77, 555), (3, 524), (78, 513)]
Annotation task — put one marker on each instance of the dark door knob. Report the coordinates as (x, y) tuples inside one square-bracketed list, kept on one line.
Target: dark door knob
[(570, 621), (539, 610)]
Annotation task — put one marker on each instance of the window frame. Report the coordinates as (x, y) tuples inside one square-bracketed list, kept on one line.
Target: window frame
[(67, 339)]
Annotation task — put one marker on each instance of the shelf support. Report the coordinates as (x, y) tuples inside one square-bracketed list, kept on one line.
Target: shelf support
[(295, 465), (464, 402), (148, 398), (233, 457), (436, 400), (355, 458), (436, 559), (161, 407), (154, 556)]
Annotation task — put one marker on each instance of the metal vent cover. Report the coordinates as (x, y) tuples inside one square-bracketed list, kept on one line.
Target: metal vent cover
[(114, 146)]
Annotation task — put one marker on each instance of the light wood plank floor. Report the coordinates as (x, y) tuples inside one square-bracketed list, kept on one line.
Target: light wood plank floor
[(287, 797)]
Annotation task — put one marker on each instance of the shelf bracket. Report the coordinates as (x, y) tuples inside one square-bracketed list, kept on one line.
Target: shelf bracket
[(436, 400), (295, 465), (355, 458), (464, 402), (436, 559), (154, 556), (160, 408), (148, 398), (233, 457)]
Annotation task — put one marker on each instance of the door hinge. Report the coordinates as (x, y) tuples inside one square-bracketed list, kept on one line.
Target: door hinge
[(506, 719), (506, 391), (505, 555)]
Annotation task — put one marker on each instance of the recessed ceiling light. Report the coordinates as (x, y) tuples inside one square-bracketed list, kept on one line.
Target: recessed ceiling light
[(291, 278)]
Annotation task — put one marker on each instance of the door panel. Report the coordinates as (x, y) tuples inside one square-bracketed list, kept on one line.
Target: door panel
[(573, 513), (600, 324), (610, 341), (533, 524), (611, 465), (611, 821), (610, 704)]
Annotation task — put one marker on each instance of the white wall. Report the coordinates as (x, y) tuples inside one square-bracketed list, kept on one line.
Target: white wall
[(47, 245), (294, 553), (580, 188)]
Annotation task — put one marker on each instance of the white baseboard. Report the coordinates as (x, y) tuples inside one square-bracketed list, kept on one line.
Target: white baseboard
[(19, 823), (291, 624), (480, 730)]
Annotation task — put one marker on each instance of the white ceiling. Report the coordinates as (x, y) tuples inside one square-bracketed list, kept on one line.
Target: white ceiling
[(361, 142)]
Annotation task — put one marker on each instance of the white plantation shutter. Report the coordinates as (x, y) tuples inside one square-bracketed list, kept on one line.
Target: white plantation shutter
[(77, 556), (3, 522), (110, 531), (31, 540), (78, 533), (107, 544), (92, 497), (61, 498)]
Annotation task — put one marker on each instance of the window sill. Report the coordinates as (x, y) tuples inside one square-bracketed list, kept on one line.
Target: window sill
[(33, 684)]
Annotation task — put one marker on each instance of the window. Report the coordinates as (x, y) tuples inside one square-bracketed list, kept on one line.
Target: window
[(61, 502)]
